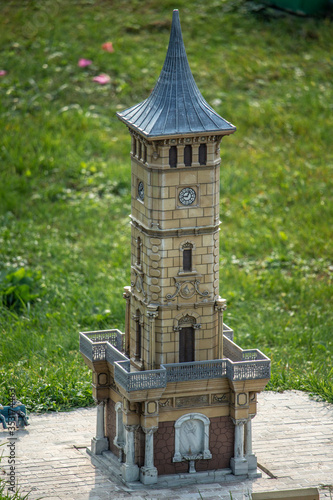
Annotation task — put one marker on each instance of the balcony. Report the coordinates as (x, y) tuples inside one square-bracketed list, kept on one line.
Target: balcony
[(237, 364)]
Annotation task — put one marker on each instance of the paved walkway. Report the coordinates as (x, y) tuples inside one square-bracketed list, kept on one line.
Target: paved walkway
[(292, 438)]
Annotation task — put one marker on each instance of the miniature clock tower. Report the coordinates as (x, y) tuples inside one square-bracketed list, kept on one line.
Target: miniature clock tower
[(175, 394), (174, 303)]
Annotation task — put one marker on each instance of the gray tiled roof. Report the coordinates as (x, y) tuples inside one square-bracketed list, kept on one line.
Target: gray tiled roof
[(176, 105)]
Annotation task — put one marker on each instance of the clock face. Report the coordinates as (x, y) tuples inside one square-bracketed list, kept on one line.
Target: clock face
[(141, 191), (187, 196)]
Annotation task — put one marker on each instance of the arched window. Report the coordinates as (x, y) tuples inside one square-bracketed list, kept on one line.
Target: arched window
[(188, 156), (203, 154), (187, 257), (173, 156)]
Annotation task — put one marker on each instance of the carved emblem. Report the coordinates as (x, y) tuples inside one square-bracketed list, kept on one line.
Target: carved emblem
[(220, 398), (186, 290)]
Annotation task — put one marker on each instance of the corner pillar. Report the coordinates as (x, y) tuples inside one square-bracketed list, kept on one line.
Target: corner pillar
[(99, 443), (152, 315), (148, 473), (249, 455), (127, 296), (220, 306), (238, 463), (130, 471)]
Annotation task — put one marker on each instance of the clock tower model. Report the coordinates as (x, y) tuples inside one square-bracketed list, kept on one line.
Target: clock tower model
[(175, 394)]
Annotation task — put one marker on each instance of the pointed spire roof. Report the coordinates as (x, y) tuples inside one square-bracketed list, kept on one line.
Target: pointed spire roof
[(175, 106)]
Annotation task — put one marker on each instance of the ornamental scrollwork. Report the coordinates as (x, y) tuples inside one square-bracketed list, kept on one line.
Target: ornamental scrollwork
[(187, 289)]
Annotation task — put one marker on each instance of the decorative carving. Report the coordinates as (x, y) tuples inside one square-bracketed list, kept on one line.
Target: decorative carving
[(138, 281), (187, 289), (186, 245), (220, 398), (187, 319), (165, 403), (189, 401)]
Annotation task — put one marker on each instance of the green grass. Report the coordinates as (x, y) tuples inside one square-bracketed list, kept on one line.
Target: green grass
[(65, 181)]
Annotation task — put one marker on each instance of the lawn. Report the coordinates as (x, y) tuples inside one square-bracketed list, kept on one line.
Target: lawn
[(65, 181)]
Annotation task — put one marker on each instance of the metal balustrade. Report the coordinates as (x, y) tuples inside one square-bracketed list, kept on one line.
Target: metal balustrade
[(196, 370), (238, 364), (136, 381)]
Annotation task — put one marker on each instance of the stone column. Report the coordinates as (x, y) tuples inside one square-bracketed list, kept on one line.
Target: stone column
[(180, 155), (100, 443), (238, 463), (130, 471), (127, 296), (148, 473), (220, 306), (249, 455), (195, 154), (152, 315)]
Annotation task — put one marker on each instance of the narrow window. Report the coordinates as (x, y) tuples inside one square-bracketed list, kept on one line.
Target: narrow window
[(145, 154), (134, 146), (187, 259), (203, 154), (173, 156), (138, 251), (188, 156), (140, 151), (186, 344), (138, 336)]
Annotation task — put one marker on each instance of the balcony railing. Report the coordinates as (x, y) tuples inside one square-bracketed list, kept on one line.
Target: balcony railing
[(104, 345), (238, 364), (137, 381)]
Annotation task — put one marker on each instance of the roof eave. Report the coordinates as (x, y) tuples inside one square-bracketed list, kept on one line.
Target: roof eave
[(219, 132)]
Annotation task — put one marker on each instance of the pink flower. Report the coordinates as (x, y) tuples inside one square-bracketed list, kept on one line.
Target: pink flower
[(108, 47), (84, 62), (102, 79), (3, 72)]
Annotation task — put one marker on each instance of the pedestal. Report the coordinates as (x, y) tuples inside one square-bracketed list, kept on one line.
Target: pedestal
[(98, 445), (239, 466), (130, 473), (148, 475)]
